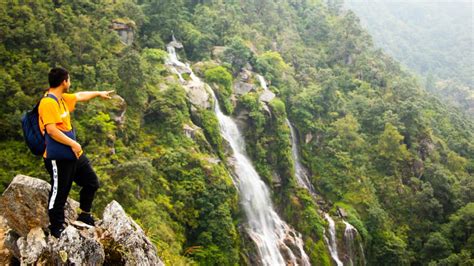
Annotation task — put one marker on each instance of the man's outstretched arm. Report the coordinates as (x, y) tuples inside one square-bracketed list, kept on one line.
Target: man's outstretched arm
[(87, 95)]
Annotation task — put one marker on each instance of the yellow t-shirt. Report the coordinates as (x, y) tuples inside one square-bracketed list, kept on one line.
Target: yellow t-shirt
[(51, 112)]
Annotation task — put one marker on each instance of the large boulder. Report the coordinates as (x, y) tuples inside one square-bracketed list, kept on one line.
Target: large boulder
[(24, 204), (197, 93), (128, 234), (241, 88), (267, 96), (32, 246), (77, 247), (5, 254), (117, 239)]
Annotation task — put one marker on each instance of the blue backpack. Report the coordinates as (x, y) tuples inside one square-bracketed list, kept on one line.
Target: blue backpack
[(31, 130)]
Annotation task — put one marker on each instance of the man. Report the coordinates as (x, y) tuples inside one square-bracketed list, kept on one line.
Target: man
[(64, 158)]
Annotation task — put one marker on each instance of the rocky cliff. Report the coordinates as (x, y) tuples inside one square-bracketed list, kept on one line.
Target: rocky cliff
[(116, 240)]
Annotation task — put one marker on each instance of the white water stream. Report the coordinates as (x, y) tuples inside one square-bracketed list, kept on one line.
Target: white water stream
[(272, 236)]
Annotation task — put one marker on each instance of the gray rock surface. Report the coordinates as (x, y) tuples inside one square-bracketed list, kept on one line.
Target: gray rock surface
[(77, 247), (242, 88), (126, 233), (32, 246), (266, 96), (28, 197), (115, 240), (5, 254), (197, 94)]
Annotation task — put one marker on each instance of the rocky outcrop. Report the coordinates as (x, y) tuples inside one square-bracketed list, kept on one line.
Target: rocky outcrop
[(124, 232), (243, 84), (119, 108), (197, 94), (266, 96), (124, 28), (241, 88), (5, 254), (116, 239), (27, 197), (191, 131)]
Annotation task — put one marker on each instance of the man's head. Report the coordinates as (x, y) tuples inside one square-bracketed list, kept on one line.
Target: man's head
[(59, 77)]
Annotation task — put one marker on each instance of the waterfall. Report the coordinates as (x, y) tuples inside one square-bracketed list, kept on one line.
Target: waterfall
[(332, 243), (272, 236), (266, 229), (173, 62), (350, 234), (349, 238), (303, 181), (300, 172), (262, 81)]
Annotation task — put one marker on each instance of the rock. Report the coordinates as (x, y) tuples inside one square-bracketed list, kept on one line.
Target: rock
[(190, 130), (266, 96), (10, 243), (5, 254), (308, 138), (342, 212), (242, 119), (197, 94), (245, 75), (242, 88), (124, 28), (276, 179), (77, 248), (138, 250), (32, 246), (119, 106), (115, 240), (27, 197)]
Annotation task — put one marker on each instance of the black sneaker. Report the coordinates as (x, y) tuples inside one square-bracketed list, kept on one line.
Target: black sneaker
[(86, 218), (56, 231)]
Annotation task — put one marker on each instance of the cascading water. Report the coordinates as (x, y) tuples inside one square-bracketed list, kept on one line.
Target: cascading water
[(332, 242), (262, 81), (265, 228), (302, 178), (300, 172), (350, 234)]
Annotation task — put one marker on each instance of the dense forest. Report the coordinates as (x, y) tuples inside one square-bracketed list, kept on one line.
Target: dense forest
[(434, 38), (376, 144)]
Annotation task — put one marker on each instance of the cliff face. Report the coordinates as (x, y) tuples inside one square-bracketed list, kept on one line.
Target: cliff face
[(24, 237)]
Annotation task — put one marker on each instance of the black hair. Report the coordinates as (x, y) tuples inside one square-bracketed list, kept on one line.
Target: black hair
[(56, 76)]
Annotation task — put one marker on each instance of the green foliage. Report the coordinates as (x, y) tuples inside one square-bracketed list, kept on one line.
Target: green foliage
[(223, 79), (169, 110), (16, 158), (390, 148), (208, 121), (396, 159), (237, 54), (272, 66), (437, 246)]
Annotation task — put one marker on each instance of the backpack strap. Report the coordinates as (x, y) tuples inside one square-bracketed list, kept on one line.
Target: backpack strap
[(52, 96)]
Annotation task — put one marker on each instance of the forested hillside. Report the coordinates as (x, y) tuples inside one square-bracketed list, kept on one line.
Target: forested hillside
[(375, 143), (434, 38)]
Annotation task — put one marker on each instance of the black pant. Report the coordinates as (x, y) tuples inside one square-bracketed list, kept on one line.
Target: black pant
[(63, 173)]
